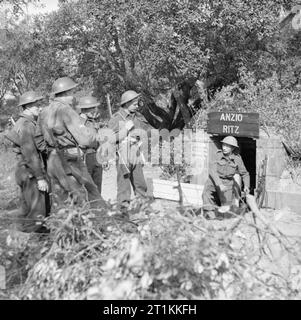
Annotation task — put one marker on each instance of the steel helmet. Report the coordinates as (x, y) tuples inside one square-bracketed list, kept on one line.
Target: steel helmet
[(231, 141), (129, 96), (88, 102), (62, 85), (29, 97)]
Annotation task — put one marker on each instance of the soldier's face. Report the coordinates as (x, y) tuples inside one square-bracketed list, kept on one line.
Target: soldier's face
[(133, 105), (71, 100), (90, 112), (35, 110), (227, 149), (70, 96)]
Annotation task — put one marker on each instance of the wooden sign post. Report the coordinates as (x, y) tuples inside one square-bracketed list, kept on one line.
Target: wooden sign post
[(234, 123)]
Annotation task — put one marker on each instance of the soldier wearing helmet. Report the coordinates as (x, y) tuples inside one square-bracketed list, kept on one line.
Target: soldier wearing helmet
[(129, 169), (218, 189), (30, 173), (87, 107), (62, 133)]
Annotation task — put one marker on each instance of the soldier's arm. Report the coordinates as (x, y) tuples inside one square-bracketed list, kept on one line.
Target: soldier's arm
[(75, 124), (29, 151), (243, 172), (214, 175), (38, 137), (94, 126)]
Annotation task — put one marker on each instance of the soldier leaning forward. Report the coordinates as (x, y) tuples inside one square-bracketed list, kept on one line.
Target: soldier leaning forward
[(59, 130), (88, 111), (30, 173), (129, 169), (219, 188)]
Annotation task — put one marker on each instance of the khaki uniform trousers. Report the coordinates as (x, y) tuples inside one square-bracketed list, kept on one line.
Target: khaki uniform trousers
[(34, 204), (71, 175)]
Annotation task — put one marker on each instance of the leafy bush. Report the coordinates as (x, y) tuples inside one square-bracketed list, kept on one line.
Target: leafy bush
[(169, 256), (177, 166)]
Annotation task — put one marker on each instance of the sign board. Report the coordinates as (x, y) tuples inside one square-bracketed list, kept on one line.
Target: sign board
[(233, 123)]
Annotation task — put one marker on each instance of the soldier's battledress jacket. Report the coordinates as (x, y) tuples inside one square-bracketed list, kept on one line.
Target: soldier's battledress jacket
[(118, 122), (34, 204), (91, 123), (68, 128), (129, 175), (225, 167), (59, 129), (26, 150), (94, 168), (121, 117)]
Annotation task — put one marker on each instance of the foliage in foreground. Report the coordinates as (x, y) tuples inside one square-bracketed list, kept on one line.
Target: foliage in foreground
[(168, 256)]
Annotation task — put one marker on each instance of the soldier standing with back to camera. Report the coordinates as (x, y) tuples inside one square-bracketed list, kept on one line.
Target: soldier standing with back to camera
[(88, 111), (60, 131), (30, 172)]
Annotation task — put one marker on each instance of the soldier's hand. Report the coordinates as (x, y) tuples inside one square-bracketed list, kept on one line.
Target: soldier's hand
[(246, 190), (106, 166), (129, 125), (43, 185)]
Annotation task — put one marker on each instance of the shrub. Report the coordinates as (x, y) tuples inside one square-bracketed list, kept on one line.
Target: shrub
[(169, 256)]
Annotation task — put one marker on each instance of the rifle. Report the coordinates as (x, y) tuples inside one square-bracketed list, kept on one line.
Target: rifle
[(11, 119)]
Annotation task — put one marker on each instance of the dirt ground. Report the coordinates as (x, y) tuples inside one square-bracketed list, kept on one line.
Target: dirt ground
[(109, 185)]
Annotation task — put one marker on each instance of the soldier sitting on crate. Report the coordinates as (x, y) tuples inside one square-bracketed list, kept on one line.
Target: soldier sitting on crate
[(222, 183)]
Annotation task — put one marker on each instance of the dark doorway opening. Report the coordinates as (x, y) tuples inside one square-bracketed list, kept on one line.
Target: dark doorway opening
[(247, 150)]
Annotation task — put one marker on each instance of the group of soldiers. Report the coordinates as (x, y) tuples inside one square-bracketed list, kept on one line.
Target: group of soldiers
[(56, 147)]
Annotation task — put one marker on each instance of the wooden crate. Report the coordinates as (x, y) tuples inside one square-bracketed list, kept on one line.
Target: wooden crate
[(163, 189)]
